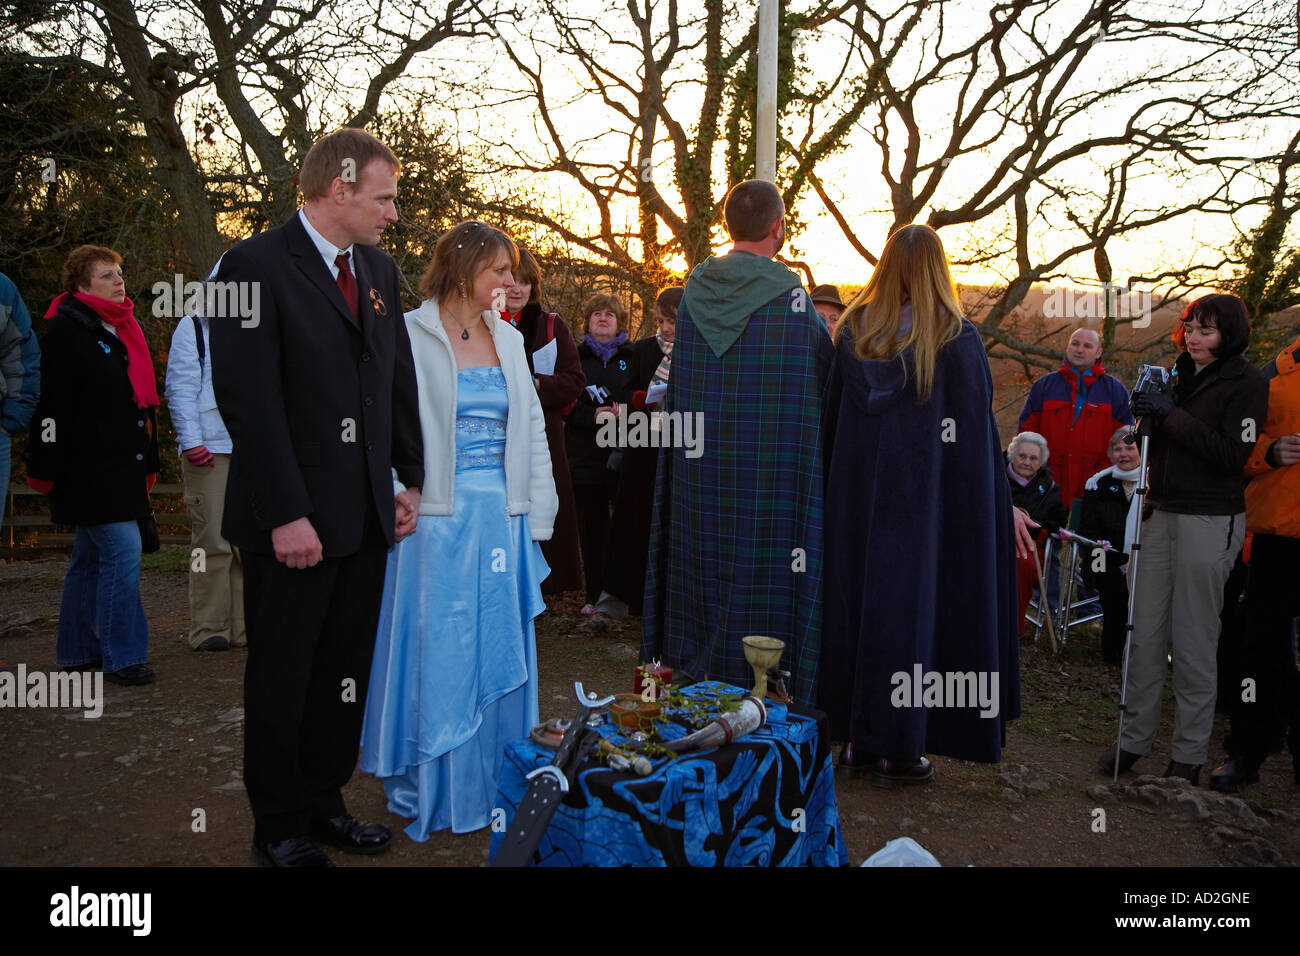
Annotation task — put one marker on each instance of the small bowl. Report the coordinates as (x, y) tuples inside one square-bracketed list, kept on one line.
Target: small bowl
[(632, 713)]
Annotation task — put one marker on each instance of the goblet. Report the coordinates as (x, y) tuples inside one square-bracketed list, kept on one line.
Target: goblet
[(763, 653)]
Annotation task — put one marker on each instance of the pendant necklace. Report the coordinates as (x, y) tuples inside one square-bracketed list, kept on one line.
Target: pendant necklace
[(464, 329)]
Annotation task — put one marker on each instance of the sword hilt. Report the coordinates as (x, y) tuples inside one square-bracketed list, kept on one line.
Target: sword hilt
[(590, 701)]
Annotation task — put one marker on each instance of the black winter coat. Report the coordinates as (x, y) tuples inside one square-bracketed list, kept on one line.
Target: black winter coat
[(629, 533), (646, 356), (1041, 498), (88, 435), (1104, 514), (1198, 453), (587, 460)]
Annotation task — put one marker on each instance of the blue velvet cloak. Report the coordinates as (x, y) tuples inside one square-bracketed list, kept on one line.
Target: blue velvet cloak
[(920, 556)]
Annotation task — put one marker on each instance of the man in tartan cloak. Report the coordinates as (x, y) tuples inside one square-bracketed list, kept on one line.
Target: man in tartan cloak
[(736, 536)]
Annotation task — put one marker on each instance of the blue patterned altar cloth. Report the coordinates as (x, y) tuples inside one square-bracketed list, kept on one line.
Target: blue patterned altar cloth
[(767, 799)]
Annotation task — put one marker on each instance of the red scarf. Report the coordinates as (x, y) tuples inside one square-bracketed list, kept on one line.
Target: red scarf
[(121, 316)]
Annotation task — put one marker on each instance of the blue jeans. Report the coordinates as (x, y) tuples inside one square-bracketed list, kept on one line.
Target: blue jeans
[(5, 442), (102, 617)]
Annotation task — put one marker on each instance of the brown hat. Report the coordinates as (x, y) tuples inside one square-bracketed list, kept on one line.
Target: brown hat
[(827, 294)]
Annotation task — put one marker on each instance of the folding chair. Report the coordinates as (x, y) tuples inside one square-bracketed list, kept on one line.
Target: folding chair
[(1067, 612)]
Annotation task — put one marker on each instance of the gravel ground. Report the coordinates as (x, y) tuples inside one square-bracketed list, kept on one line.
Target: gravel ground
[(156, 781)]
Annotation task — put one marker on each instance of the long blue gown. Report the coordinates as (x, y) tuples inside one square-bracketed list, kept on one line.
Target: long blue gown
[(454, 677)]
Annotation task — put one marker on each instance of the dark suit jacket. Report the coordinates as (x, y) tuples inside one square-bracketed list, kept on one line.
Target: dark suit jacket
[(318, 409)]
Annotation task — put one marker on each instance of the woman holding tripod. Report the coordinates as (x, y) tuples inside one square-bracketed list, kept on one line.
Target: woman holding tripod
[(1202, 431)]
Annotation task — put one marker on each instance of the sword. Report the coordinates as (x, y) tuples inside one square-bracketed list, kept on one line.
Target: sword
[(548, 785)]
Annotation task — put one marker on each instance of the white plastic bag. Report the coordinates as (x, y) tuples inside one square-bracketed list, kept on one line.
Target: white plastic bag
[(903, 851)]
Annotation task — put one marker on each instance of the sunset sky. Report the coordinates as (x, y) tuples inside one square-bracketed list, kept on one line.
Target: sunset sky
[(854, 176)]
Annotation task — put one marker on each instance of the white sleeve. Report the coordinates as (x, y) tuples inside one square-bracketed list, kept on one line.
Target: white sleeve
[(544, 502), (183, 383)]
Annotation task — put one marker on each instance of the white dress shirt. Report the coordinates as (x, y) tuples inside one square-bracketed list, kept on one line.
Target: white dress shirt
[(328, 251)]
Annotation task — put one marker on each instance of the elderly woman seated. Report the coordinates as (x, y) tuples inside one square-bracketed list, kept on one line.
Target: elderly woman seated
[(1034, 491), (1110, 513)]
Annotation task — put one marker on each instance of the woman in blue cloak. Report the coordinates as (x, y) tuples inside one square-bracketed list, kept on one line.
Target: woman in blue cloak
[(919, 648)]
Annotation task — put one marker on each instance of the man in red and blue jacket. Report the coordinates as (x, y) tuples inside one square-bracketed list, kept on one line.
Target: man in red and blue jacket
[(1077, 408)]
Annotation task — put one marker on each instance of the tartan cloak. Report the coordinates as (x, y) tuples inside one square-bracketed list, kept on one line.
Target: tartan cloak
[(736, 535)]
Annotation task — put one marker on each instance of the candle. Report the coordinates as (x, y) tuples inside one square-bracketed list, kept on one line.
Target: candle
[(651, 678)]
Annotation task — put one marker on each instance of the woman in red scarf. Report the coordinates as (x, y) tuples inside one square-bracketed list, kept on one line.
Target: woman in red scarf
[(93, 449)]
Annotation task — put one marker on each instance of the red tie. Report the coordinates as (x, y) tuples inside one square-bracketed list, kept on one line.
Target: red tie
[(347, 283)]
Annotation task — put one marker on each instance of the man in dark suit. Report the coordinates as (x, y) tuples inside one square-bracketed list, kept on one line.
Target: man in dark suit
[(316, 384)]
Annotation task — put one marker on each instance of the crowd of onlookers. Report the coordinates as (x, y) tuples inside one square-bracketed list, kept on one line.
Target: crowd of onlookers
[(855, 499), (96, 432), (1222, 437)]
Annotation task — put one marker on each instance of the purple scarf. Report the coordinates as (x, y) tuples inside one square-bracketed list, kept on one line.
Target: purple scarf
[(605, 350)]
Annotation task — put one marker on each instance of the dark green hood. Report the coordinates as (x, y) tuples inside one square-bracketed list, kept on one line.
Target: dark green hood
[(724, 291)]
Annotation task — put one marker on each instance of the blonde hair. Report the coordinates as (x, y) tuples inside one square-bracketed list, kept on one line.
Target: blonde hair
[(912, 268)]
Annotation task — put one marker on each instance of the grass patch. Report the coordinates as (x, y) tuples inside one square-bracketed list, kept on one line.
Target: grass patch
[(1071, 695), (171, 557)]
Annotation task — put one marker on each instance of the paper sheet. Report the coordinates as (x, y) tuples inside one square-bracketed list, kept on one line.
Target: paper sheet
[(544, 359)]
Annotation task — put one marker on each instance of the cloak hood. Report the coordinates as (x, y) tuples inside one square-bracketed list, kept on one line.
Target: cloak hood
[(724, 291), (875, 385)]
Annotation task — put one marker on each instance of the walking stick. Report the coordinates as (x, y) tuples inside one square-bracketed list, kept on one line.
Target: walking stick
[(1066, 535), (1143, 430), (1042, 594)]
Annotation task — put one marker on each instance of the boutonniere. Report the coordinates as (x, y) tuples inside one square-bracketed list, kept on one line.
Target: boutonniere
[(377, 302)]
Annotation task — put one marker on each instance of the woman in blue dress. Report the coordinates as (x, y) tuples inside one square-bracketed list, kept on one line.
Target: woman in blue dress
[(454, 677)]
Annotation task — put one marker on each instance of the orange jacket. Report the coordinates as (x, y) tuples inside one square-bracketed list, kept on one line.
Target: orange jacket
[(1273, 496)]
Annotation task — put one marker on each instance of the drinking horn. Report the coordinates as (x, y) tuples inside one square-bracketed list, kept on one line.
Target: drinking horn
[(724, 728)]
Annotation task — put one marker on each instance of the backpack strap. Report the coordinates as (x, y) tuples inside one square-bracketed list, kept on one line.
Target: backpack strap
[(198, 339)]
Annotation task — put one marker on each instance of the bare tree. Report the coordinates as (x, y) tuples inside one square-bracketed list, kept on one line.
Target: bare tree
[(605, 87), (1045, 139), (1268, 275), (267, 75), (1035, 136)]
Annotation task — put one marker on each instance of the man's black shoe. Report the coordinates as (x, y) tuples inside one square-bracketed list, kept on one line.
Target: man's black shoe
[(298, 851), (131, 676), (1232, 775), (216, 642), (351, 835), (894, 773)]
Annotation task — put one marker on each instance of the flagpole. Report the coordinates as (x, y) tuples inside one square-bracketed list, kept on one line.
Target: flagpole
[(765, 107)]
